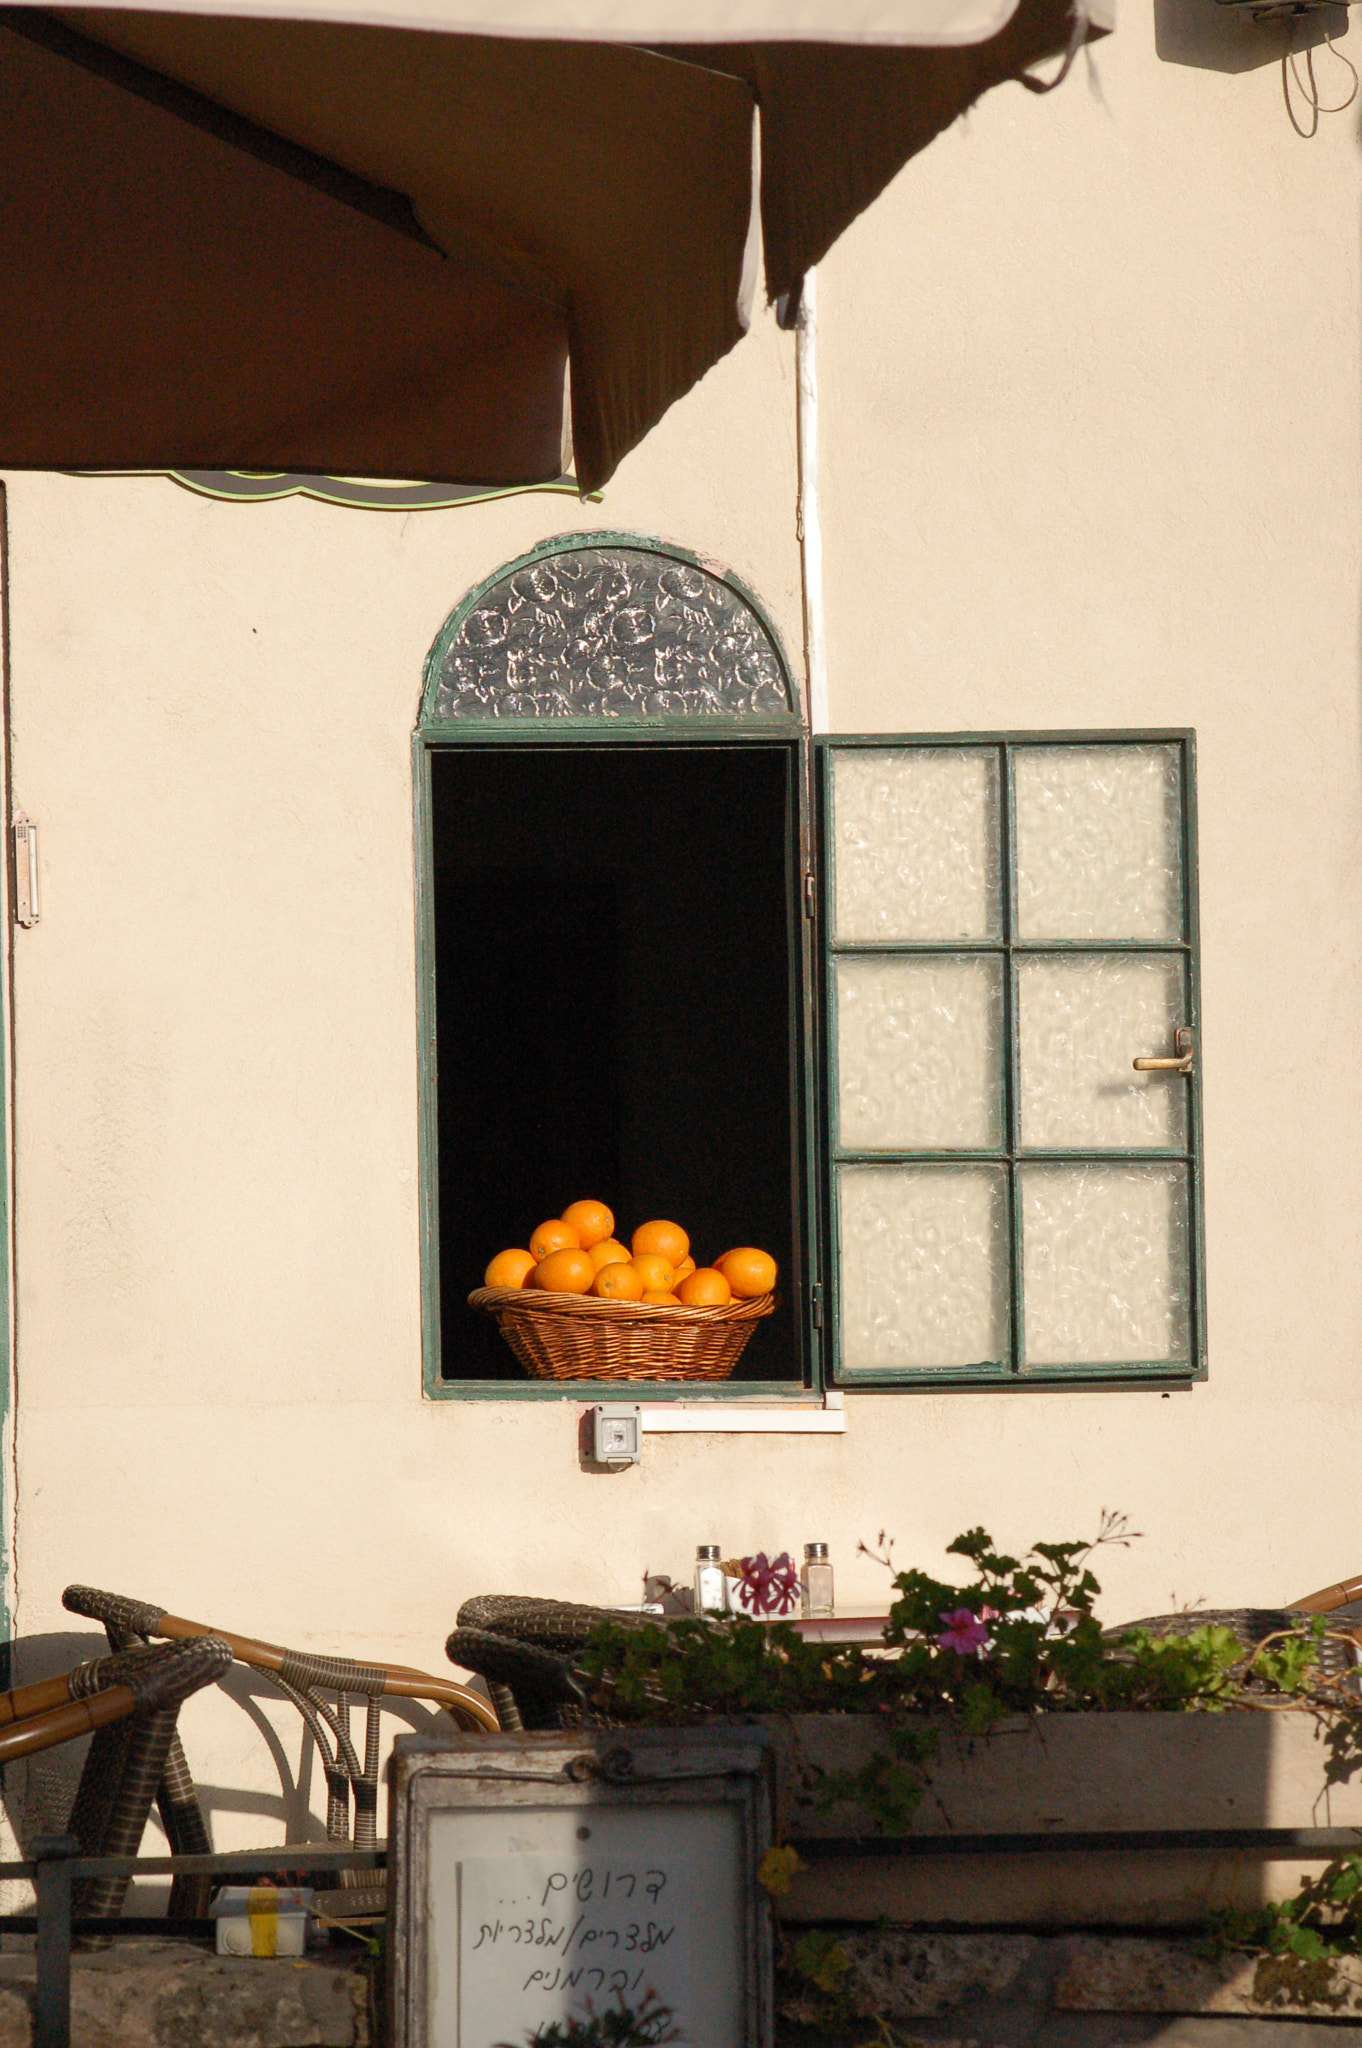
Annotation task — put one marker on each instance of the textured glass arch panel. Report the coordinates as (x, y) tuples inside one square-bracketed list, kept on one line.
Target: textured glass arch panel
[(923, 1267), (919, 1052), (915, 844), (1106, 1265), (1084, 1018), (1098, 842), (610, 632)]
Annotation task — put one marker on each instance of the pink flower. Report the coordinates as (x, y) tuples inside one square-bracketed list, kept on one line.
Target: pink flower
[(770, 1585), (966, 1632)]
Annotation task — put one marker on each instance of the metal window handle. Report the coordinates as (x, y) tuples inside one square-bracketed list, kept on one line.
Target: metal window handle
[(1182, 1061)]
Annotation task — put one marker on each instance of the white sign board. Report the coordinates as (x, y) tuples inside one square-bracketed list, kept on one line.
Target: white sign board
[(547, 1939), (512, 1914), (519, 1939)]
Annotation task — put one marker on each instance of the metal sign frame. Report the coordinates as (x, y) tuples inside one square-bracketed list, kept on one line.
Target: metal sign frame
[(576, 1771)]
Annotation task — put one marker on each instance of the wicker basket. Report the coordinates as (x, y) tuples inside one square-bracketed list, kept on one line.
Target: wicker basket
[(576, 1337)]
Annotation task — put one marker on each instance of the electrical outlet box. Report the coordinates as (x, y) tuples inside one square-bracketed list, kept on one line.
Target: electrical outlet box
[(616, 1433)]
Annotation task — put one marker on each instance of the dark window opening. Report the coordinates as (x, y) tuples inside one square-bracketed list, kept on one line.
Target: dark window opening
[(615, 1011)]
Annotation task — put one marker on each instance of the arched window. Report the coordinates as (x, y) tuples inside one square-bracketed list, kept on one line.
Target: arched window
[(622, 629), (610, 770)]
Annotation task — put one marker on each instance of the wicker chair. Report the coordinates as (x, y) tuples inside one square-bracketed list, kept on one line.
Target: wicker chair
[(1338, 1653), (301, 1678), (129, 1702), (1342, 1602), (526, 1650)]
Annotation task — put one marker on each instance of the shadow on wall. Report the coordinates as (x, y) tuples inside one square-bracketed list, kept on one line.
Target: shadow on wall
[(1213, 36), (38, 1790)]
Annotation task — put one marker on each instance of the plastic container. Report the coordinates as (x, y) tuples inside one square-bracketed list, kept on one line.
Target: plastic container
[(262, 1919)]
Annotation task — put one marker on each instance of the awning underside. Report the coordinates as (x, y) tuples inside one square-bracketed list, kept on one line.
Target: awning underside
[(181, 291)]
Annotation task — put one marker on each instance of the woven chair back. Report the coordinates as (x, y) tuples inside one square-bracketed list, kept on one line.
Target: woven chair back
[(304, 1679)]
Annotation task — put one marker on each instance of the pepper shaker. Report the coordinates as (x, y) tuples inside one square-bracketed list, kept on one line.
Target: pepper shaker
[(815, 1581)]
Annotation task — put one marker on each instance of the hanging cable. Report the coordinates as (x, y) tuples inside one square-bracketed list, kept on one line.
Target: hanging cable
[(1309, 90), (1078, 36)]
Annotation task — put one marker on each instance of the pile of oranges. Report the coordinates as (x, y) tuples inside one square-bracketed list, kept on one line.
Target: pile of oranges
[(578, 1253)]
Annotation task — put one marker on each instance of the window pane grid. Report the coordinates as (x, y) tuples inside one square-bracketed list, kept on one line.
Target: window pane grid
[(1014, 1157), (1061, 949), (1012, 1066), (1087, 1155)]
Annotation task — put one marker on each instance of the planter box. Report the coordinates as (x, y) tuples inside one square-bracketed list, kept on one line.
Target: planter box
[(1063, 1776)]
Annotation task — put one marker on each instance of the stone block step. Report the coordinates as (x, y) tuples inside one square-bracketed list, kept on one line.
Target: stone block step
[(158, 1993)]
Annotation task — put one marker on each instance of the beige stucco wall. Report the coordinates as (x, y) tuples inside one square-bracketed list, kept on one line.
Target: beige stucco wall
[(1089, 390), (1091, 458), (217, 1297)]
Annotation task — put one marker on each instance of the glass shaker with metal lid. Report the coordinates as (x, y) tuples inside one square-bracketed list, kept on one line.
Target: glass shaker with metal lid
[(815, 1581), (711, 1596)]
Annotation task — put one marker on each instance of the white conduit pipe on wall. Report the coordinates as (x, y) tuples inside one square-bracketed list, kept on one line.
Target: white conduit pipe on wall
[(809, 511), (810, 1417)]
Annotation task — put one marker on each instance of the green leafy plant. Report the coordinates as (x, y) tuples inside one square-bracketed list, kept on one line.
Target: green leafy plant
[(1324, 1918), (624, 2026), (819, 1987), (889, 1785), (1019, 1638), (693, 1670)]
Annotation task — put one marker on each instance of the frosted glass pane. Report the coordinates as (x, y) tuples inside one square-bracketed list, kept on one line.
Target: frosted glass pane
[(1105, 1264), (915, 843), (1098, 845), (923, 1266), (614, 632), (1083, 1020), (919, 1053)]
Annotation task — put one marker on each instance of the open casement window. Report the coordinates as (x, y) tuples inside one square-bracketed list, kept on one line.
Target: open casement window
[(871, 1003), (1007, 925)]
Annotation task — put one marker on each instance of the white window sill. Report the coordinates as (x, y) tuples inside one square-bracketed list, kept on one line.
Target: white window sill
[(787, 1418)]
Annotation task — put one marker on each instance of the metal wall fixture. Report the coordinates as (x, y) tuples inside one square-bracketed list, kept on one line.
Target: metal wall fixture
[(26, 908), (1280, 10), (616, 1433)]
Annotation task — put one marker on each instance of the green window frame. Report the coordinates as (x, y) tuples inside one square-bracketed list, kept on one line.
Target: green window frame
[(1005, 1159), (820, 1281), (764, 724)]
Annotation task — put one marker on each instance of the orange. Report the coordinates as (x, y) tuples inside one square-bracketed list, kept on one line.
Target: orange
[(566, 1271), (607, 1253), (592, 1221), (684, 1270), (509, 1269), (749, 1272), (618, 1283), (663, 1294), (704, 1288), (554, 1236), (653, 1269), (669, 1240)]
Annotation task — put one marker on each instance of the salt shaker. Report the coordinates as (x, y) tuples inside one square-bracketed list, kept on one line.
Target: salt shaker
[(710, 1592), (815, 1581)]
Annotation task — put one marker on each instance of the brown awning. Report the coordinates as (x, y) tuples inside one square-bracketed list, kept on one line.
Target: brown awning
[(279, 244), (919, 22), (840, 120), (170, 300)]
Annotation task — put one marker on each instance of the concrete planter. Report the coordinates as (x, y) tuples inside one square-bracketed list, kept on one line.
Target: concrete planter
[(1064, 1776)]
